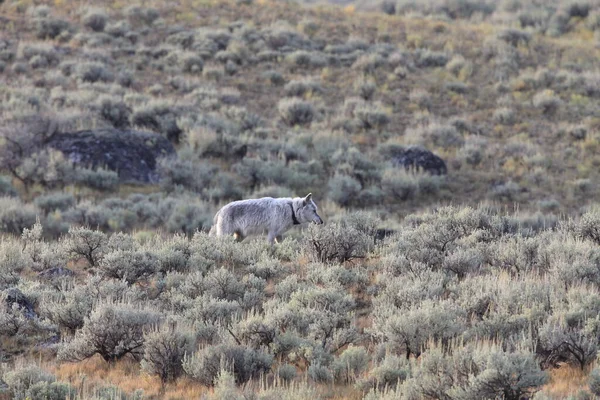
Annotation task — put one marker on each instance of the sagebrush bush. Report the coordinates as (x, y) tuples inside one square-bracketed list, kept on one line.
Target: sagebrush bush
[(296, 112), (114, 111), (159, 116), (93, 71), (547, 101), (242, 362), (339, 242), (164, 351), (95, 19), (83, 242), (55, 201), (112, 330), (21, 379)]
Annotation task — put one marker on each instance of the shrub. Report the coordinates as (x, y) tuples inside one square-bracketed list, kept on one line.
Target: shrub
[(365, 88), (296, 112), (51, 391), (388, 373), (177, 172), (371, 116), (275, 77), (427, 58), (352, 363), (70, 310), (594, 381), (86, 243), (48, 27), (514, 37), (114, 111), (101, 179), (485, 372), (287, 372), (112, 330), (242, 362), (189, 217), (504, 116), (55, 201), (337, 242), (561, 343), (319, 373), (191, 63), (300, 88), (95, 19), (15, 216), (420, 97), (21, 379), (129, 265), (159, 116), (164, 351), (441, 134), (343, 189), (547, 101), (93, 71), (146, 15)]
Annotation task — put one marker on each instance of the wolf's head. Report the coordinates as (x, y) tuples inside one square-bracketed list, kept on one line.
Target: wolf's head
[(308, 211)]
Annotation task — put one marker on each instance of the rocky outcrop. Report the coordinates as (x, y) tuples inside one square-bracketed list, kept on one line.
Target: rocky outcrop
[(417, 157), (132, 154)]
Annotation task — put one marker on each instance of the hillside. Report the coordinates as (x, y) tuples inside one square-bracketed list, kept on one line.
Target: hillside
[(125, 127)]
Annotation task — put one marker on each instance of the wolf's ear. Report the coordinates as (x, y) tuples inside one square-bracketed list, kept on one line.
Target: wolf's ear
[(307, 198)]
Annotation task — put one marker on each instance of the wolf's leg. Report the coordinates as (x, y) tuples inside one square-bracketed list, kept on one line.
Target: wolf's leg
[(278, 238), (238, 236), (272, 238)]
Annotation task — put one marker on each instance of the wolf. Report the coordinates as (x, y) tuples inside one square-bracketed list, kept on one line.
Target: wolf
[(271, 215)]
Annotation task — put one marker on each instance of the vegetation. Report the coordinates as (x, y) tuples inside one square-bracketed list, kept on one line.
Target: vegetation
[(471, 276)]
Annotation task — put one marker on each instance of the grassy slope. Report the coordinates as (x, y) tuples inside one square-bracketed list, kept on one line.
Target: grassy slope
[(548, 171)]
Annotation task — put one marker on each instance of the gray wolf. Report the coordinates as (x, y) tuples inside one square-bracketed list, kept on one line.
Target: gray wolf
[(271, 215)]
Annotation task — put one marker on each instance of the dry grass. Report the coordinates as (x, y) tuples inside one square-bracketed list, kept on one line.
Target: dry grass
[(565, 381), (126, 375)]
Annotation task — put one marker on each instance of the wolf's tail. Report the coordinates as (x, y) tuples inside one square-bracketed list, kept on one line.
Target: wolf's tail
[(213, 229)]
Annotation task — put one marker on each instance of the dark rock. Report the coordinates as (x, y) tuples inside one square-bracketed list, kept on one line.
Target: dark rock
[(56, 272), (419, 158), (15, 296), (133, 155)]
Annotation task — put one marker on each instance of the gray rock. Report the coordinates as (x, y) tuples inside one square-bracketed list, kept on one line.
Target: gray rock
[(15, 296), (132, 154), (417, 157), (56, 272)]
